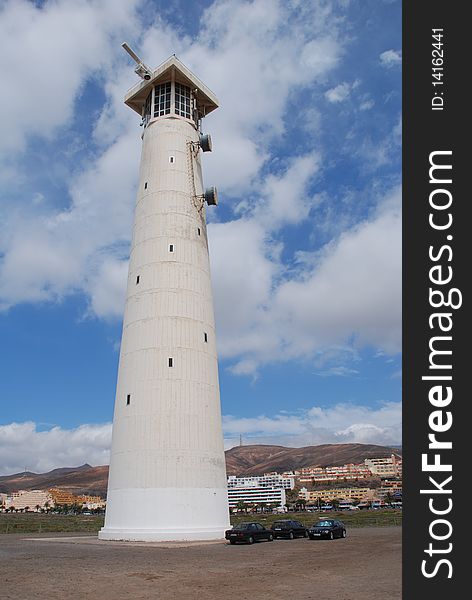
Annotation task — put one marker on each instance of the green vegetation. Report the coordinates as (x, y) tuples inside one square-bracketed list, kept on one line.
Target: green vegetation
[(355, 518), (50, 523)]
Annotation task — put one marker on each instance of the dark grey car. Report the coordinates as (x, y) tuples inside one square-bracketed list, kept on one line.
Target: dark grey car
[(289, 529), (327, 529), (249, 533)]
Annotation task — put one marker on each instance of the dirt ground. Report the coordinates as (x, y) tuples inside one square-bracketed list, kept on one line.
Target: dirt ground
[(364, 566)]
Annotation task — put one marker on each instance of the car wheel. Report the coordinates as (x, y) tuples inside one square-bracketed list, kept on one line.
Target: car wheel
[(232, 542), (250, 540), (344, 533), (331, 536), (271, 538), (291, 536)]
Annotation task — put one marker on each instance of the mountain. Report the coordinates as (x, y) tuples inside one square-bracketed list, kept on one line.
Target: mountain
[(240, 460), (77, 480), (258, 459)]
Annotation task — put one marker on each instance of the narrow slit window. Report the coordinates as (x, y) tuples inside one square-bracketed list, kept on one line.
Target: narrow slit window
[(171, 362), (171, 247), (171, 159), (199, 232), (205, 336), (137, 280), (145, 185), (128, 399)]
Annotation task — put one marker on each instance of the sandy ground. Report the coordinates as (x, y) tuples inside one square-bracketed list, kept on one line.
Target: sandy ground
[(364, 566)]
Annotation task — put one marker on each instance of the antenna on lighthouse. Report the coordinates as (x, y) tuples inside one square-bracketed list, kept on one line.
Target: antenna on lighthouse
[(142, 70)]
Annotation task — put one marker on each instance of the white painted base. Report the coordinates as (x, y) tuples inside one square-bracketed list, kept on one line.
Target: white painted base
[(166, 514), (160, 535)]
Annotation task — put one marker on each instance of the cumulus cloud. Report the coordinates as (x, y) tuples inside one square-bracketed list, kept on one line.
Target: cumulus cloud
[(62, 43), (339, 424), (391, 58), (24, 445), (349, 289), (341, 92), (72, 248)]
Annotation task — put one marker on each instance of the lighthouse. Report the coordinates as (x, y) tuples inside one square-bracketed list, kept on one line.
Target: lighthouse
[(167, 476)]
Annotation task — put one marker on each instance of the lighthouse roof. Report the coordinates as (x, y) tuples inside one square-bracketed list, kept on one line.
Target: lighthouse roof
[(172, 67)]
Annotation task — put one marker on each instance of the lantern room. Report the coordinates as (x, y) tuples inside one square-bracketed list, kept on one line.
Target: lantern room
[(171, 91)]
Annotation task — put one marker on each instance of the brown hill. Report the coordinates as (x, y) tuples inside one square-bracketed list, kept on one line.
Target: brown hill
[(240, 460), (77, 480), (258, 459)]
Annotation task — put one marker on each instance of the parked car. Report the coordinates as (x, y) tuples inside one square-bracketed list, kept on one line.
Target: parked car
[(249, 533), (327, 529), (287, 528)]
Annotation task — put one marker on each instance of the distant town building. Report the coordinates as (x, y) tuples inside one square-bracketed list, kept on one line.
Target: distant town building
[(256, 496), (385, 467), (30, 499), (92, 502), (265, 489), (348, 472), (390, 486), (268, 480), (328, 494), (63, 497)]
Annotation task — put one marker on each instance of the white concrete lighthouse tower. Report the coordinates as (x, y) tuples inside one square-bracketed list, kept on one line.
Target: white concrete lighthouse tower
[(167, 470)]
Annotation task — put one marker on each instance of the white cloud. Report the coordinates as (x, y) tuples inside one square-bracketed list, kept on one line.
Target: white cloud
[(340, 371), (284, 197), (22, 446), (351, 290), (254, 63), (106, 288), (355, 290), (366, 104), (341, 92), (341, 423), (49, 253), (46, 54), (391, 58)]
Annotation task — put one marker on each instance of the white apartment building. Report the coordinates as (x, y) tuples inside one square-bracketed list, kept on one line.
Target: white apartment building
[(268, 480), (385, 467), (29, 498), (348, 472), (256, 495)]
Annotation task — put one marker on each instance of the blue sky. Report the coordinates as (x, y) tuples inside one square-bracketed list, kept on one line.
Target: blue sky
[(307, 161)]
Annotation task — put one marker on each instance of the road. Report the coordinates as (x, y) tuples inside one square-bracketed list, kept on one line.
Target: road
[(364, 566)]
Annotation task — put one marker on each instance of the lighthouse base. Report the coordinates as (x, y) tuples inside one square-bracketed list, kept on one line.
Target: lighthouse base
[(160, 535), (166, 514)]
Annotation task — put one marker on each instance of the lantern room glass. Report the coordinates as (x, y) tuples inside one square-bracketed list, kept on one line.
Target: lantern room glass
[(168, 98)]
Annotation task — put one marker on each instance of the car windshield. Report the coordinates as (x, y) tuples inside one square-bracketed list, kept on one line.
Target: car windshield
[(324, 524), (242, 526)]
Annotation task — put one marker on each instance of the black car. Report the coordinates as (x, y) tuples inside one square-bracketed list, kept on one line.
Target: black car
[(249, 533), (287, 528), (327, 529)]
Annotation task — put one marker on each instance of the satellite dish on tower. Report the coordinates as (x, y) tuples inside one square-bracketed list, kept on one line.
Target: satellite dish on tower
[(205, 142), (211, 196), (142, 70)]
